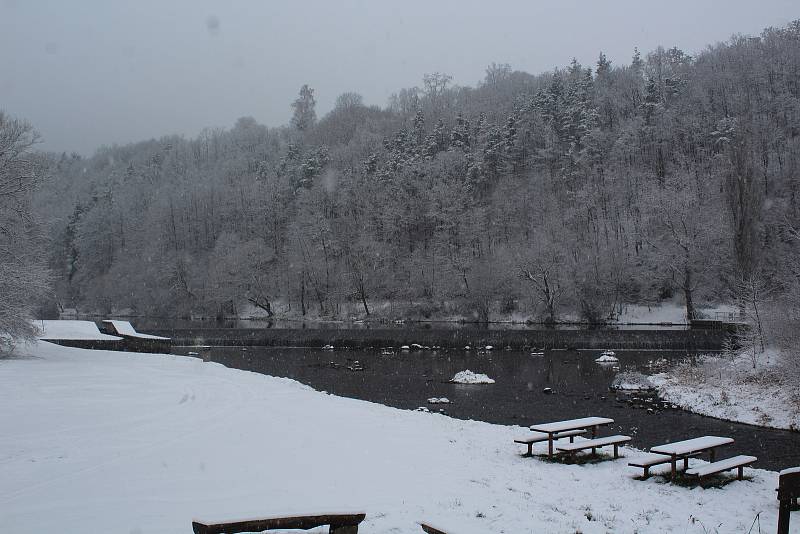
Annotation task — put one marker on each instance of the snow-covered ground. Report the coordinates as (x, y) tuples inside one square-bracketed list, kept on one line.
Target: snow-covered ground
[(729, 388), (96, 441), (671, 312)]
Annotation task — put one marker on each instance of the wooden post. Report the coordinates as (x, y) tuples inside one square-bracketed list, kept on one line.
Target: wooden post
[(550, 444), (685, 463), (784, 513), (616, 451), (788, 492), (673, 464)]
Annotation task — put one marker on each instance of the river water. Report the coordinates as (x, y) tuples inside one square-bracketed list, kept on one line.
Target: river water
[(580, 387)]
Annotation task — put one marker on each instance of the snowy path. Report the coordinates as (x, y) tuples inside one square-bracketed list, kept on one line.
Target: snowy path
[(137, 443)]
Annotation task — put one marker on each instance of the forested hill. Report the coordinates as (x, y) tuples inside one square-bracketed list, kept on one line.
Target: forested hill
[(569, 192)]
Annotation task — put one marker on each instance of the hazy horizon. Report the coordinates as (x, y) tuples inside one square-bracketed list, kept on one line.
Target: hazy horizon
[(112, 72)]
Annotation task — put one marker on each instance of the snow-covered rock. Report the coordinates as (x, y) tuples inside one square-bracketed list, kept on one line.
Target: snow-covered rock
[(328, 347), (631, 381), (438, 400), (607, 358), (468, 377)]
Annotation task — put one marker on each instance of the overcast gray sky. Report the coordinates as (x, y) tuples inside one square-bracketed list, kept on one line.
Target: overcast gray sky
[(94, 72)]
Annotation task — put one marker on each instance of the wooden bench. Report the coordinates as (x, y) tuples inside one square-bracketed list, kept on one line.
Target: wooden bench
[(737, 462), (339, 523), (649, 460), (594, 444), (538, 437), (433, 530)]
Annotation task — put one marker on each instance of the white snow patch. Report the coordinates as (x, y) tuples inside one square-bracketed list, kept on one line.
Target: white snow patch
[(468, 377), (438, 400)]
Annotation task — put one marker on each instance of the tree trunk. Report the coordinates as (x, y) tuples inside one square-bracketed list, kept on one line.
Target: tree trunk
[(263, 303), (303, 293), (364, 302), (687, 292)]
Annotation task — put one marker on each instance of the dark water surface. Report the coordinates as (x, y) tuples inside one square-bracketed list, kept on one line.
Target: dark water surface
[(160, 323), (406, 379)]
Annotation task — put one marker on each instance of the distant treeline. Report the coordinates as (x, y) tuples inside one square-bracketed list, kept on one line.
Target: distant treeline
[(573, 191)]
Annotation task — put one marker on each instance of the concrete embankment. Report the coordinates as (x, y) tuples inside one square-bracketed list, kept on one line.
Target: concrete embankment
[(665, 339)]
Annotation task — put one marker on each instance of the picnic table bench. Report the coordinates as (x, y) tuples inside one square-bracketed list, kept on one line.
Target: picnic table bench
[(339, 524), (431, 530), (594, 444), (538, 437), (560, 427), (683, 450), (652, 459), (735, 462)]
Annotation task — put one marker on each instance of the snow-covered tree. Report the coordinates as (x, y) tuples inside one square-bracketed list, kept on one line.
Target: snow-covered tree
[(24, 278), (304, 115)]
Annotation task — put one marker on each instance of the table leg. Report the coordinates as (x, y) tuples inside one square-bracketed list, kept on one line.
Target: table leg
[(594, 432), (550, 444), (686, 463), (712, 454), (673, 463)]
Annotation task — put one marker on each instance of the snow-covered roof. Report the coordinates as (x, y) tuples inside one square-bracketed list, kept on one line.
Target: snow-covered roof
[(124, 328), (70, 329)]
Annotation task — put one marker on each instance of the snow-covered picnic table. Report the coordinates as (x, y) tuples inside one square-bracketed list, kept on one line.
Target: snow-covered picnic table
[(556, 427), (690, 447)]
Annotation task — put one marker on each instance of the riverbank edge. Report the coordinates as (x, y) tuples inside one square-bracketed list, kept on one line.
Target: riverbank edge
[(600, 339), (728, 388)]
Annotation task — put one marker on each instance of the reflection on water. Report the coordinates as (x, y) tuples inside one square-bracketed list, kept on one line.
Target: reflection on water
[(144, 324), (580, 387)]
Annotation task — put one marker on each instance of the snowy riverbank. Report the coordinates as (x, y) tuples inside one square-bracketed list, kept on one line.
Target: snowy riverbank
[(729, 388), (120, 442)]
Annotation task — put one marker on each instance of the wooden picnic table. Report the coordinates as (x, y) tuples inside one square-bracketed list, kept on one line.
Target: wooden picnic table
[(686, 448), (553, 429)]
